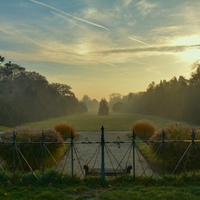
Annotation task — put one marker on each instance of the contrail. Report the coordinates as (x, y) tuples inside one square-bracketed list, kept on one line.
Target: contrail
[(74, 17), (69, 20), (139, 41), (106, 63)]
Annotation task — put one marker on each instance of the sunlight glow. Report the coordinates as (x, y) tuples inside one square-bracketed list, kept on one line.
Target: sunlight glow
[(192, 54)]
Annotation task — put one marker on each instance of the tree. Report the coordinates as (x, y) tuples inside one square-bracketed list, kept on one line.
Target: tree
[(119, 107), (103, 107), (1, 59), (27, 96), (114, 98), (86, 99)]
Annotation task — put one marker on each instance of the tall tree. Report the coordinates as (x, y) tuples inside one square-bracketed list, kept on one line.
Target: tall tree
[(103, 107)]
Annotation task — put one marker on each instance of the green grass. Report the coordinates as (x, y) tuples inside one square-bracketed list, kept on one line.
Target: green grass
[(3, 128), (91, 121), (119, 188)]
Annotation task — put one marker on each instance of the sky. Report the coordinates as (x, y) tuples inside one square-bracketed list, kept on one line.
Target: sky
[(99, 47)]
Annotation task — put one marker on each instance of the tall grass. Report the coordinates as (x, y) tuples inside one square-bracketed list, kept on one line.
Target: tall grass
[(27, 152), (180, 154)]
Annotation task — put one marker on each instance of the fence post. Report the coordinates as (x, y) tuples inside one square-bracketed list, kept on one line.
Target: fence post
[(72, 154), (102, 155), (133, 145), (14, 152), (43, 153), (193, 150), (163, 153)]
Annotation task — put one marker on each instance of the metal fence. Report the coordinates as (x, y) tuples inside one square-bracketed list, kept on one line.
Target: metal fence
[(83, 158)]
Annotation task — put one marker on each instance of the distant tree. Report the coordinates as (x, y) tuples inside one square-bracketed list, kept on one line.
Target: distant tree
[(103, 107), (86, 99), (114, 98), (82, 108), (92, 104), (119, 107)]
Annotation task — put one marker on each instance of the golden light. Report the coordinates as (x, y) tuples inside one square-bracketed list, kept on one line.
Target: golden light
[(190, 54)]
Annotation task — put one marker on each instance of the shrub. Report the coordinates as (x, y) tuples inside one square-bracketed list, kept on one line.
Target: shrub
[(144, 129), (65, 130), (175, 149), (28, 150)]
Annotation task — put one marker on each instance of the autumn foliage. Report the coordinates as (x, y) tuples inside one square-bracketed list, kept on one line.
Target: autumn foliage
[(65, 130), (144, 129)]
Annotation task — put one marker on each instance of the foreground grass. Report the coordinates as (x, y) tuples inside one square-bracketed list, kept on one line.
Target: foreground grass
[(141, 189), (91, 121)]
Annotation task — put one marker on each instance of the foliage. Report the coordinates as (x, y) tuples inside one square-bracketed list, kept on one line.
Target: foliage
[(144, 129), (103, 107), (28, 96), (65, 130), (92, 104), (119, 107), (177, 98), (114, 98), (176, 149), (26, 154)]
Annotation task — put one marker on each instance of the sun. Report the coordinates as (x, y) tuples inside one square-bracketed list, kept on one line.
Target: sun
[(191, 54)]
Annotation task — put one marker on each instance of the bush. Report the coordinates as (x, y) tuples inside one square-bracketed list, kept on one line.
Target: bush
[(28, 150), (65, 130), (174, 150), (144, 129)]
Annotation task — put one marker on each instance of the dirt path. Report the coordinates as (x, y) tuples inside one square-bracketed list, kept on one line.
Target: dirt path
[(87, 150)]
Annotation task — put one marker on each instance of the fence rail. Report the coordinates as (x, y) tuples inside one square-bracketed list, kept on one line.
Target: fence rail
[(105, 158)]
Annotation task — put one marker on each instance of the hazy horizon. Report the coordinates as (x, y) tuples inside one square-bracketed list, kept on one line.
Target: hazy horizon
[(102, 47)]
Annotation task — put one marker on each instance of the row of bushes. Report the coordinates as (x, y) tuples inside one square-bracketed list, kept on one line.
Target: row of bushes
[(27, 154), (178, 151)]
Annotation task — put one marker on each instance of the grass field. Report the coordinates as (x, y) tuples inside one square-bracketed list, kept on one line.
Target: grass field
[(91, 121), (145, 189)]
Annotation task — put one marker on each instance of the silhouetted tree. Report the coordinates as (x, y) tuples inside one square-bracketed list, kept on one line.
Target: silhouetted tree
[(27, 96), (103, 107)]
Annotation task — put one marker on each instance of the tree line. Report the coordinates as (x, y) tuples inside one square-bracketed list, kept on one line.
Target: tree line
[(27, 96), (178, 99)]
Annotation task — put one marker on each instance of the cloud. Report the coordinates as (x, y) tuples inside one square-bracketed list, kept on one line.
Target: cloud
[(127, 2), (178, 48), (72, 16), (145, 7)]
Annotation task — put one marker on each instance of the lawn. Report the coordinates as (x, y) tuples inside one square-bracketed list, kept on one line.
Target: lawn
[(145, 189), (91, 121)]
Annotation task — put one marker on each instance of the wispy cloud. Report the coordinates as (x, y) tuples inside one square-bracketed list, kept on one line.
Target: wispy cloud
[(19, 34), (145, 7), (72, 16), (127, 2), (178, 48)]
